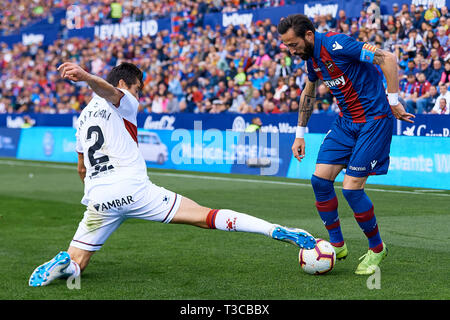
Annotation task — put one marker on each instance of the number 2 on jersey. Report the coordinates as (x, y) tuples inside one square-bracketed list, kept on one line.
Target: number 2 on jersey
[(96, 146)]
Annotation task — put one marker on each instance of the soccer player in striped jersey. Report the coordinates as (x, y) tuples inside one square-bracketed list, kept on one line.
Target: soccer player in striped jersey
[(359, 139), (116, 184)]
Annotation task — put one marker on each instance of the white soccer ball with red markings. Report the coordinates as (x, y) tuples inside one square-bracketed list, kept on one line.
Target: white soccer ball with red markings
[(319, 260)]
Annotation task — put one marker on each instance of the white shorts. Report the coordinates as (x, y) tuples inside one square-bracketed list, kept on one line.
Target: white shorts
[(110, 205)]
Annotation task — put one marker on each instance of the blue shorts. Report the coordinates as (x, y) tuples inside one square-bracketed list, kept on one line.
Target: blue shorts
[(363, 148)]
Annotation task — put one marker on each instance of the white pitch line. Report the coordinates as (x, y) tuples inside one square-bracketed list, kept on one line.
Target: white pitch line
[(206, 177)]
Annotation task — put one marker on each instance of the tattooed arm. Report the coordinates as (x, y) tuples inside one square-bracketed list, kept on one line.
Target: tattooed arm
[(388, 64), (307, 99)]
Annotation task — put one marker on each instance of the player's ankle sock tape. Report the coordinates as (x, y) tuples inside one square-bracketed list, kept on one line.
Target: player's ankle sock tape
[(364, 214), (211, 218)]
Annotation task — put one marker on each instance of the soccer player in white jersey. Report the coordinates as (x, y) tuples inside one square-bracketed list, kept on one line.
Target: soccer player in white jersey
[(116, 184)]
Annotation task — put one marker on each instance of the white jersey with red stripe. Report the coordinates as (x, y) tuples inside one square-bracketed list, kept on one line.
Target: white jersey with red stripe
[(107, 137)]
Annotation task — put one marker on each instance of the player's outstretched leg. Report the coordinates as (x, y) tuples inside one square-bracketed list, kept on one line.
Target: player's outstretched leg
[(61, 266), (327, 207), (229, 220), (295, 236)]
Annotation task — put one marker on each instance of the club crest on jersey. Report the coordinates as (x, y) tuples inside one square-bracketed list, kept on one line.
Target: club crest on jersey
[(330, 66)]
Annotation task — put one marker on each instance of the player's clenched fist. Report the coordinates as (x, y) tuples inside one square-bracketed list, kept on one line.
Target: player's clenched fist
[(72, 71)]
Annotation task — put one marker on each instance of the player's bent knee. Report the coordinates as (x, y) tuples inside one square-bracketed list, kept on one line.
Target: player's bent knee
[(191, 213), (327, 171), (321, 185), (354, 183)]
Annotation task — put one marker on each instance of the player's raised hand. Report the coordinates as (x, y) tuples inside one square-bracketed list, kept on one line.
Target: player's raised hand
[(400, 113), (72, 71), (298, 148)]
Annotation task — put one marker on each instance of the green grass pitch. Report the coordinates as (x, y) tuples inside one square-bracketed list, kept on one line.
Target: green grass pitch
[(40, 211)]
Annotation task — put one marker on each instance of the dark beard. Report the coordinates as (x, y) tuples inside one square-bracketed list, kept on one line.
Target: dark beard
[(309, 51)]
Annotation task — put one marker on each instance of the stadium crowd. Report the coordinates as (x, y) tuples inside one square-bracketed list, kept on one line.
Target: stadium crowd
[(235, 69), (17, 14)]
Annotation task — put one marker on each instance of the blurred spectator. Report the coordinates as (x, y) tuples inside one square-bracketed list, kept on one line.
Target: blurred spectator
[(396, 12), (342, 20), (432, 14), (256, 100), (255, 125), (280, 89), (441, 106), (116, 11), (445, 77), (411, 67), (418, 19), (173, 105), (435, 44), (435, 73), (413, 42), (424, 66), (237, 102), (27, 122), (442, 36), (416, 102), (430, 101), (408, 88)]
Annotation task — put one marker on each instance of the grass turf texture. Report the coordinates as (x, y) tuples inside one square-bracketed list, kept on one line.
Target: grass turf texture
[(147, 260)]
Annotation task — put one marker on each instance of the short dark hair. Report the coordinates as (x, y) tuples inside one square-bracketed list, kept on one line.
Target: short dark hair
[(126, 71), (298, 22)]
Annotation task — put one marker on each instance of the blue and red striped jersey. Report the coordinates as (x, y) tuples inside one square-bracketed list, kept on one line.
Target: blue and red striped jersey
[(345, 66)]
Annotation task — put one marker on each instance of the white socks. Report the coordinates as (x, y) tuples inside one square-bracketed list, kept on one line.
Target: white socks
[(229, 220), (73, 269)]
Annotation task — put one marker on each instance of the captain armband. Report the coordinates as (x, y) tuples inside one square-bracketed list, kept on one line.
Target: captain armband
[(367, 53)]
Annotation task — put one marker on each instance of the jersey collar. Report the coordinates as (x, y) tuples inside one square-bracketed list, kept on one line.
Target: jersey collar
[(317, 44)]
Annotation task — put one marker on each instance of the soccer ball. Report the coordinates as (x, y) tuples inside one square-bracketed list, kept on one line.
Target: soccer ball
[(319, 260)]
